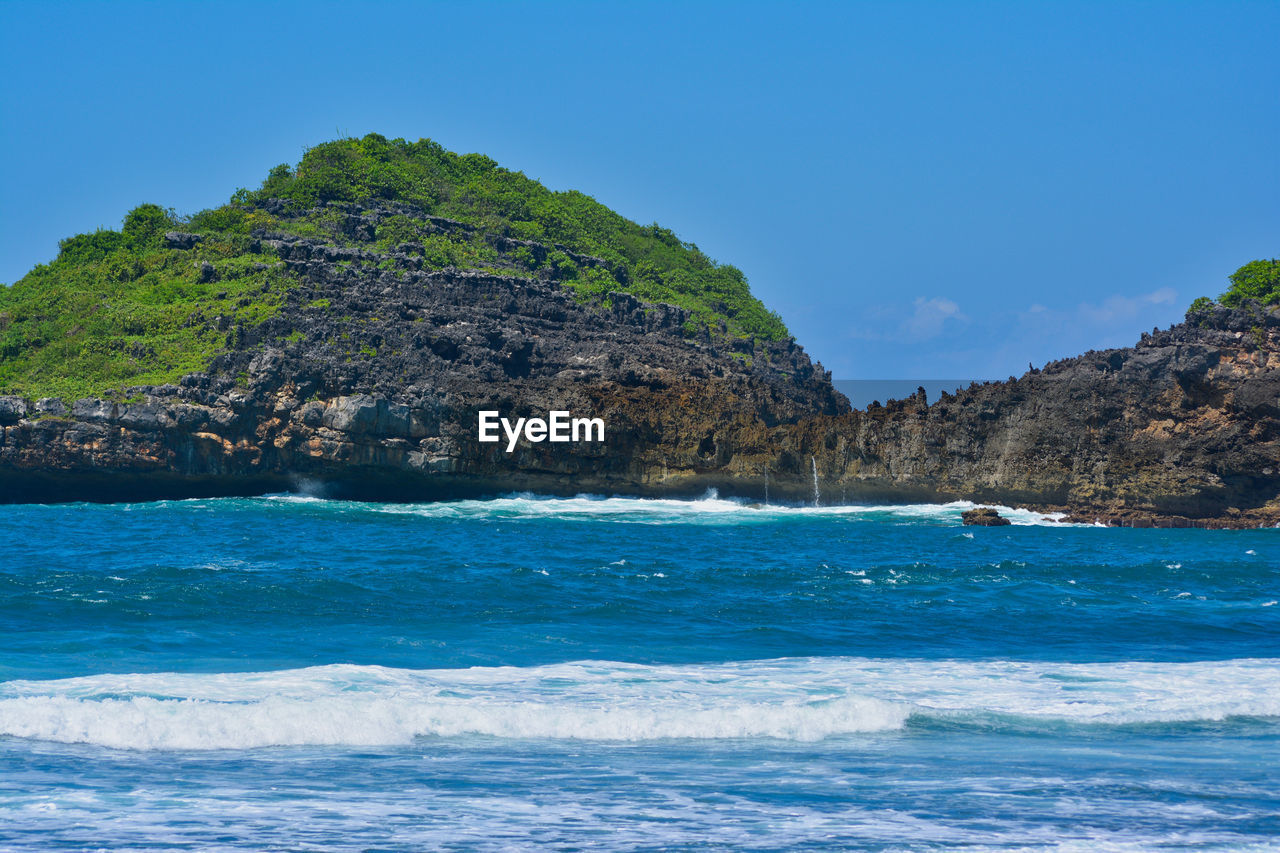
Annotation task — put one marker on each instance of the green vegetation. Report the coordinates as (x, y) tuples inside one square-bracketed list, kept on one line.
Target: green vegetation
[(1258, 280), (648, 261), (120, 308), (116, 309)]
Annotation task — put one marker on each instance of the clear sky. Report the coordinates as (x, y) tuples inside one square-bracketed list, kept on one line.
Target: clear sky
[(919, 189)]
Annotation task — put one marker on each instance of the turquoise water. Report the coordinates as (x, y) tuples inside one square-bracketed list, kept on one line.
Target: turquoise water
[(289, 673)]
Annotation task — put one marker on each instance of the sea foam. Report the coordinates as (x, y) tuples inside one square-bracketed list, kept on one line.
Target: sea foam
[(711, 508), (803, 699)]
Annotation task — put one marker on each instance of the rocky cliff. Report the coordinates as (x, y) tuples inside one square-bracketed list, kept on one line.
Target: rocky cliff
[(368, 384), (343, 336), (1182, 429)]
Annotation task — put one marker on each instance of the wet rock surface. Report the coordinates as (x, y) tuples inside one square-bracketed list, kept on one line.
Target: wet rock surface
[(983, 517)]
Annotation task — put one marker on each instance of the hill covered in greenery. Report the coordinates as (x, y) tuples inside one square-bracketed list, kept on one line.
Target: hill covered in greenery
[(134, 307)]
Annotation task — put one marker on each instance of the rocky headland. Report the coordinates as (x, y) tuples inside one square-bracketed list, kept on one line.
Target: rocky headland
[(365, 378), (1182, 429), (369, 382)]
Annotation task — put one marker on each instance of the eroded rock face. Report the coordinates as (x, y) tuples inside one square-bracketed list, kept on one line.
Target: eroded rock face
[(370, 381), (369, 384), (1181, 429), (12, 409)]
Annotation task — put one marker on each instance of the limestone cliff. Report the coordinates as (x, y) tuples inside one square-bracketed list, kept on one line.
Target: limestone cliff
[(344, 335), (1183, 428), (368, 382)]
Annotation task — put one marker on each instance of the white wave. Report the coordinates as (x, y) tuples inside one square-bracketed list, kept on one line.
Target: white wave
[(709, 508), (793, 699), (360, 705)]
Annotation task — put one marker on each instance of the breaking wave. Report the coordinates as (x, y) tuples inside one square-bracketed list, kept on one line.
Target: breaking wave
[(803, 699), (709, 508)]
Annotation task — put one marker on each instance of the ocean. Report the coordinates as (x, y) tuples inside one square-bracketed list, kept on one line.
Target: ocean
[(294, 673)]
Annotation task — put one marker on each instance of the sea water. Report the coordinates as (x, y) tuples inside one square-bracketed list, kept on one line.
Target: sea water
[(291, 673)]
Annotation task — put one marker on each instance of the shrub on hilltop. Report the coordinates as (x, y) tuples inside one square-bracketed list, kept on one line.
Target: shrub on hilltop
[(1258, 280)]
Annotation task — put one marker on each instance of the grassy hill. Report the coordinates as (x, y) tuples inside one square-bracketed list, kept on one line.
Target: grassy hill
[(127, 307)]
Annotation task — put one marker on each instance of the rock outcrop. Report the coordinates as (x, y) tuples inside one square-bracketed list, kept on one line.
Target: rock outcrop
[(983, 516), (1182, 429), (369, 382)]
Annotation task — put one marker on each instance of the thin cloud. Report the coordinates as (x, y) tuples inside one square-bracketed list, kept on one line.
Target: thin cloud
[(1120, 309), (1112, 311), (927, 318), (930, 316)]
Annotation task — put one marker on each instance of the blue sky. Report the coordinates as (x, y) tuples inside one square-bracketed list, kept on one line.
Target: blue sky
[(919, 189)]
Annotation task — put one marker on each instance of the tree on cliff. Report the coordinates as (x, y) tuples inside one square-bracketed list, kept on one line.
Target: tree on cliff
[(1258, 280), (1255, 280)]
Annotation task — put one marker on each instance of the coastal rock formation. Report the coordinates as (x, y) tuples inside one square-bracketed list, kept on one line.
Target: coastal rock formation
[(983, 516), (369, 382), (335, 331), (1182, 429), (368, 385)]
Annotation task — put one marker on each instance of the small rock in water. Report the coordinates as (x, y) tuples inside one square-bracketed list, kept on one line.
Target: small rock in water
[(983, 516)]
